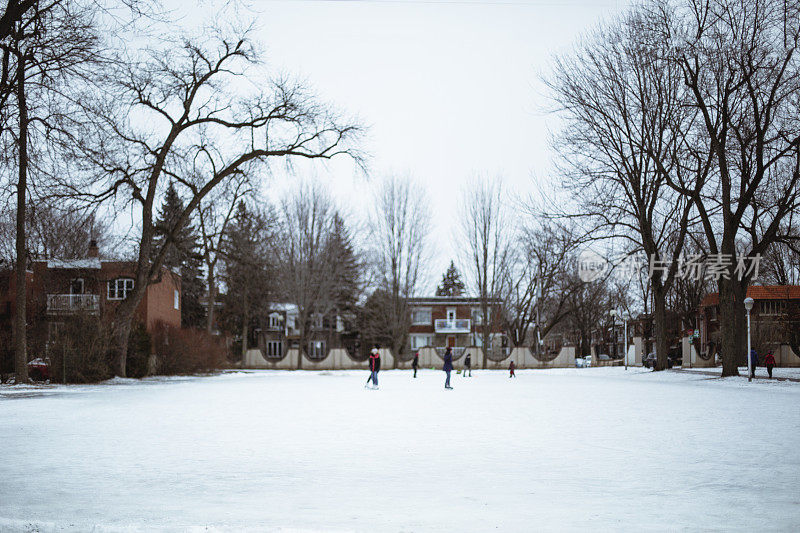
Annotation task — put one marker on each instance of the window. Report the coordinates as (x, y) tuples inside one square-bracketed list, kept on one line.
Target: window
[(451, 315), (316, 350), (120, 288), (772, 307), (176, 299), (316, 321), (421, 317), (274, 349), (275, 320), (421, 341), (76, 286)]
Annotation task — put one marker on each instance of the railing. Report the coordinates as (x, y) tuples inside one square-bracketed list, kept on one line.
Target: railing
[(460, 325), (58, 303), (457, 351)]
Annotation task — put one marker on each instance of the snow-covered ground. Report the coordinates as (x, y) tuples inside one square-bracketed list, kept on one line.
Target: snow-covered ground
[(573, 449)]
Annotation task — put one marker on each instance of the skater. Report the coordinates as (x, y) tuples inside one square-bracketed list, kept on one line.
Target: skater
[(448, 366), (753, 363), (769, 362), (374, 366), (511, 370), (415, 363), (468, 365)]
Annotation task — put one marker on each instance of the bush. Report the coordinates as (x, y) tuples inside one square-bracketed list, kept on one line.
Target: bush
[(187, 351), (139, 349), (80, 351)]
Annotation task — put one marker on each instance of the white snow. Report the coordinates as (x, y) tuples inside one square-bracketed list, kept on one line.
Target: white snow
[(88, 263), (569, 449)]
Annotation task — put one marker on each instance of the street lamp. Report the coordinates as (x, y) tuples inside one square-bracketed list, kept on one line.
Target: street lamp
[(613, 314), (748, 306), (625, 342)]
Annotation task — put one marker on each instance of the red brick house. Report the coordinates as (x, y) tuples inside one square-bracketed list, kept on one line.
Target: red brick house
[(443, 321), (59, 289), (774, 322)]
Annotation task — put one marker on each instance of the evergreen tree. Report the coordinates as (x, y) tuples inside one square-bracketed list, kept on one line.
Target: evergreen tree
[(451, 283), (183, 255), (346, 267), (248, 271)]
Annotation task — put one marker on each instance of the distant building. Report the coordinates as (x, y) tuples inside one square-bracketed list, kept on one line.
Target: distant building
[(774, 319), (456, 322), (60, 289)]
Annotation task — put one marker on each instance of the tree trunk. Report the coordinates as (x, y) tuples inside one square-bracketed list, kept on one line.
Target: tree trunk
[(20, 319), (212, 296), (729, 339), (245, 325), (660, 325)]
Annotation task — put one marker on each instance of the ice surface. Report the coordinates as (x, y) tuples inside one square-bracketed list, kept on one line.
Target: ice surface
[(573, 449)]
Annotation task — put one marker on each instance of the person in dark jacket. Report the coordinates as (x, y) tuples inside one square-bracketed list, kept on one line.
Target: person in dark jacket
[(374, 366), (753, 363), (511, 368), (769, 361), (415, 363), (448, 366), (468, 365)]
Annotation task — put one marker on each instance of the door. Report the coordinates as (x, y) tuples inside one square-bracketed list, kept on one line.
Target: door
[(76, 286), (451, 315), (451, 341)]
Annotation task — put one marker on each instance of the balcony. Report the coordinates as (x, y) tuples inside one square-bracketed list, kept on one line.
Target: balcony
[(461, 325), (457, 351), (72, 303)]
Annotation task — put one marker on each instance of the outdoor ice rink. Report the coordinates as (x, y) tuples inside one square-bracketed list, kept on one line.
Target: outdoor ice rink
[(576, 449)]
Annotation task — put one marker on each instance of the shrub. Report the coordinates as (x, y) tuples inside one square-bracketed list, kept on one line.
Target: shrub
[(139, 349), (187, 351), (80, 350)]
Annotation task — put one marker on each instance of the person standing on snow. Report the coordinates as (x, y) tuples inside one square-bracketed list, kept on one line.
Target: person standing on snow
[(753, 362), (374, 366), (769, 362), (415, 363), (468, 365), (511, 368), (448, 366)]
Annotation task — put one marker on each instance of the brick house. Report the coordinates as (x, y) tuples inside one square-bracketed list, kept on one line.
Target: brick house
[(278, 332), (456, 322), (60, 289), (774, 323)]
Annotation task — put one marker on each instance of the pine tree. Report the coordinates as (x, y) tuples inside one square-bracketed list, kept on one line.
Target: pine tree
[(346, 267), (183, 255), (451, 283)]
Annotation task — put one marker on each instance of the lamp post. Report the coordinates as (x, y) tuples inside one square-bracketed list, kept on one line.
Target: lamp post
[(748, 306), (625, 342), (613, 314)]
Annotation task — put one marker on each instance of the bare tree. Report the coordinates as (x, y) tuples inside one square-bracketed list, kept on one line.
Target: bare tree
[(180, 113), (400, 223), (488, 236), (739, 63), (308, 272), (625, 138), (215, 214), (540, 281)]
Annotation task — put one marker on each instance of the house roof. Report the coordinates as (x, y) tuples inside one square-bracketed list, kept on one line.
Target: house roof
[(453, 300), (760, 292), (88, 263)]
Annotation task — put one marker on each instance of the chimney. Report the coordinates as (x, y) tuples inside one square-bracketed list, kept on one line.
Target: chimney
[(94, 251)]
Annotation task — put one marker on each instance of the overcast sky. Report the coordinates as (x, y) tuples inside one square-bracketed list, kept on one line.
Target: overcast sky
[(449, 89)]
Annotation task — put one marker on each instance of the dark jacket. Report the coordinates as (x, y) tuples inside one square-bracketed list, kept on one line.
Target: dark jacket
[(374, 362), (468, 360), (448, 362), (511, 365), (753, 358), (769, 360), (415, 362)]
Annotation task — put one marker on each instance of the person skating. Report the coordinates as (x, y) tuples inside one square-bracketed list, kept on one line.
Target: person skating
[(374, 366), (753, 362), (511, 368), (468, 365), (448, 366), (415, 363), (769, 362)]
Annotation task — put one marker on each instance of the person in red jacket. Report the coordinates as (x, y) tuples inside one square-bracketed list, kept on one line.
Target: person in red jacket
[(769, 362), (374, 366), (511, 368)]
